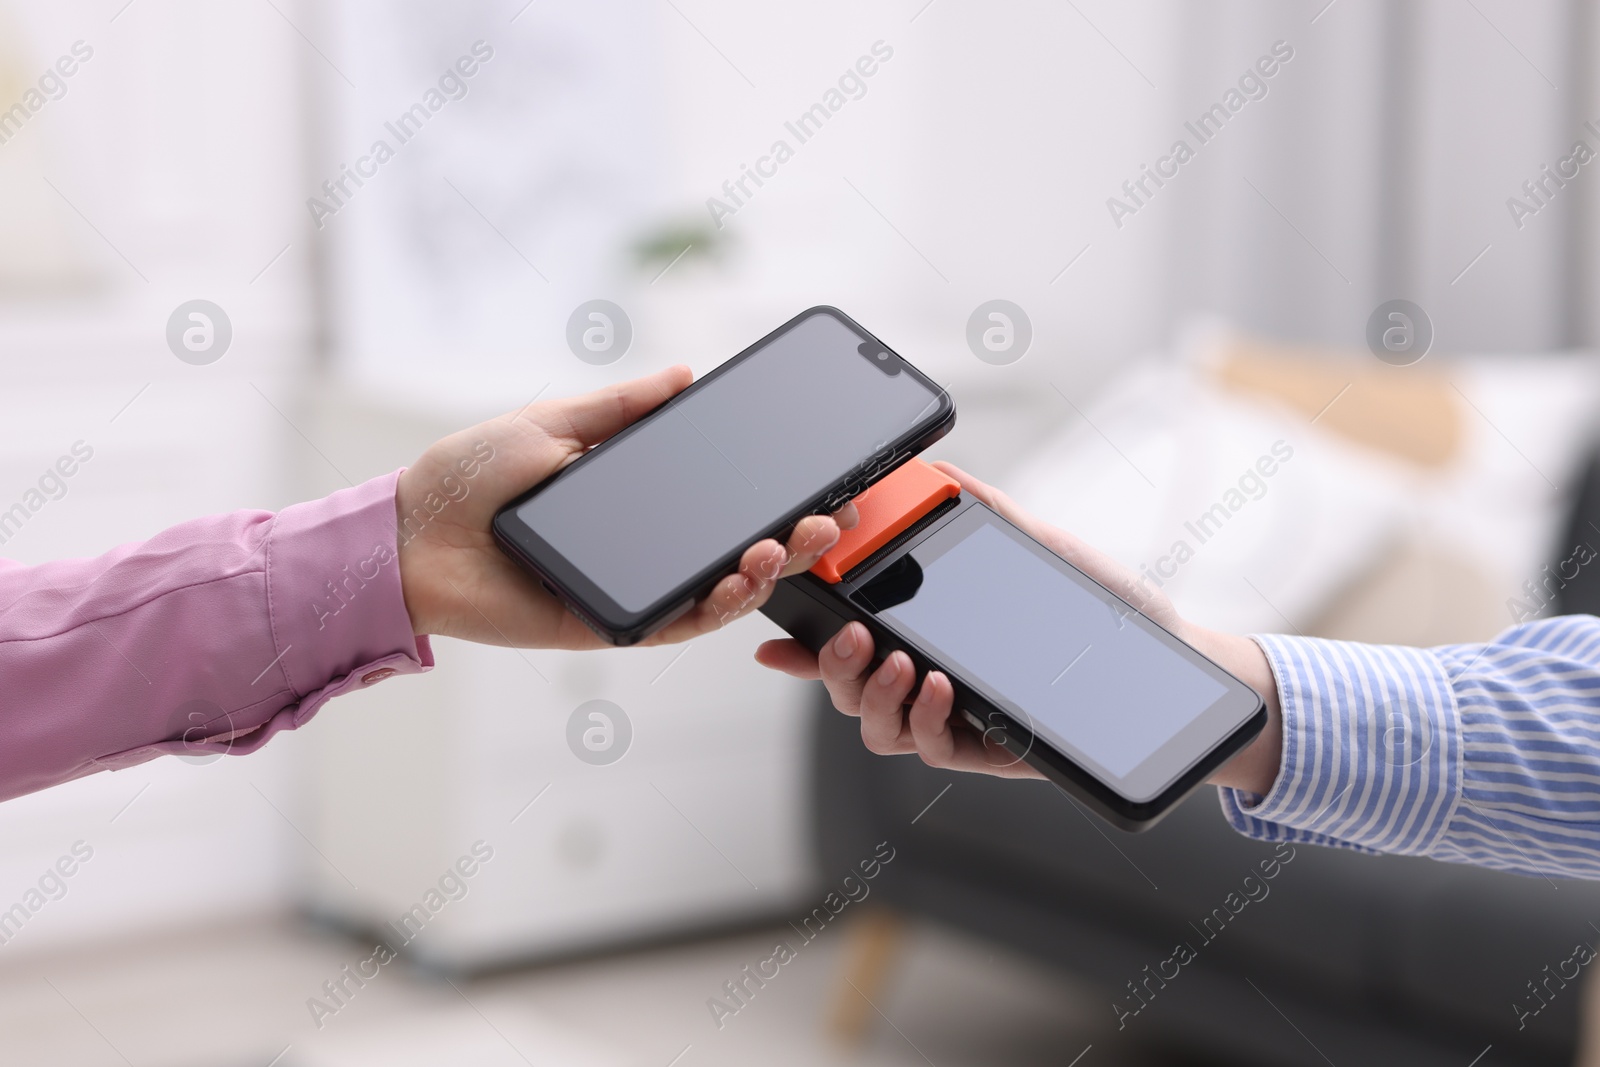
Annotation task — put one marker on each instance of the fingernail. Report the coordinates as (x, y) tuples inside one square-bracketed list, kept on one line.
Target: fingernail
[(889, 673), (844, 646)]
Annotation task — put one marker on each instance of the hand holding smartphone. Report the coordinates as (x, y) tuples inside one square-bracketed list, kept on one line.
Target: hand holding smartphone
[(457, 582), (1030, 665), (636, 530)]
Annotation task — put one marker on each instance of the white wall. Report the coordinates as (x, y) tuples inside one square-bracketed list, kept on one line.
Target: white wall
[(454, 268), (988, 142), (178, 142), (1387, 149)]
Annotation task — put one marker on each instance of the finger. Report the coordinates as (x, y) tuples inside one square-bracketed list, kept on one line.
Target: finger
[(584, 421), (762, 564), (1008, 508), (987, 493), (736, 595), (1079, 553), (843, 664), (929, 720), (739, 594), (812, 537), (790, 657), (882, 699), (973, 754), (847, 517)]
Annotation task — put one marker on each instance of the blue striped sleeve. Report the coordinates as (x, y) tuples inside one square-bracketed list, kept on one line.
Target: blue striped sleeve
[(1485, 754)]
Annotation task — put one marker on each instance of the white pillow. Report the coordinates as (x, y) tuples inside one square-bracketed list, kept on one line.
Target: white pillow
[(1164, 448), (1530, 423)]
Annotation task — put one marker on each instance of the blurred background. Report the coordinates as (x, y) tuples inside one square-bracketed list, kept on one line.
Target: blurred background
[(1196, 217)]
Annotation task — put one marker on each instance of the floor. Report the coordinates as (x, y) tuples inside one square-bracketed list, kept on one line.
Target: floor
[(240, 996)]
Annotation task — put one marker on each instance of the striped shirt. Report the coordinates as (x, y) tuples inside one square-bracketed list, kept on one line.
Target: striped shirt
[(1486, 754)]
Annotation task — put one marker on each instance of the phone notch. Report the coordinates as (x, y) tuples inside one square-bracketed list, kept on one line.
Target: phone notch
[(880, 357)]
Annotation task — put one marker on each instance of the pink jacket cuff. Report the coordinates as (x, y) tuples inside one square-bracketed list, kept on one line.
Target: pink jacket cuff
[(210, 637)]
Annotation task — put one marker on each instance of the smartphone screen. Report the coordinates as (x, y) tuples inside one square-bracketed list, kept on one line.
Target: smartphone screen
[(755, 444), (1087, 675)]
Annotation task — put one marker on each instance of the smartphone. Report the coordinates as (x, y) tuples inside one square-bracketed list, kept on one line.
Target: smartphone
[(1048, 666), (631, 534)]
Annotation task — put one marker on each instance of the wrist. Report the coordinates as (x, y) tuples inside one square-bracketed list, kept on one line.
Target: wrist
[(1254, 769), (408, 590), (406, 547)]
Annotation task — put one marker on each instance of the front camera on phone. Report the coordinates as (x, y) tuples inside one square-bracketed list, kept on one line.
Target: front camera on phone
[(881, 357)]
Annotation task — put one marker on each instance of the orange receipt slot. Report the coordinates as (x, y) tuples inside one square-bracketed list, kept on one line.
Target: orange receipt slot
[(887, 510)]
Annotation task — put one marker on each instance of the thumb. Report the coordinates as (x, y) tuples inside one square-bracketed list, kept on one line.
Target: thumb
[(1068, 546)]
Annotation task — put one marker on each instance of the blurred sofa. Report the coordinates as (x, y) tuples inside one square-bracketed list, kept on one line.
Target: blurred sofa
[(1348, 958)]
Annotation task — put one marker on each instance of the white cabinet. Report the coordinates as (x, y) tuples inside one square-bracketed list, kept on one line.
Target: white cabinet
[(703, 820)]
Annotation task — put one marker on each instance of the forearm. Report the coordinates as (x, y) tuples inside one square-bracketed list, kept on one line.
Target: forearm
[(211, 636), (1483, 754)]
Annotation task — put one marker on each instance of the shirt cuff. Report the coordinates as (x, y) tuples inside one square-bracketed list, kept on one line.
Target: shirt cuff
[(337, 614), (1371, 749), (333, 590)]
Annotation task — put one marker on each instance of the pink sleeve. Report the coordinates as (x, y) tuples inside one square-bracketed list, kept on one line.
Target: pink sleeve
[(209, 637)]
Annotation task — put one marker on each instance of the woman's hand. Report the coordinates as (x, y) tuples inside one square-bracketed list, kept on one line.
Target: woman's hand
[(927, 728), (459, 583)]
